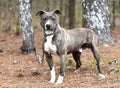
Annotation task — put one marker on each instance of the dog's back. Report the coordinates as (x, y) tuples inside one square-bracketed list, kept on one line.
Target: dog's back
[(79, 36)]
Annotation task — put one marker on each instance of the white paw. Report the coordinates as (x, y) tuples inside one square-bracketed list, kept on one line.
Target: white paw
[(101, 76), (77, 70), (52, 80), (60, 79), (53, 77)]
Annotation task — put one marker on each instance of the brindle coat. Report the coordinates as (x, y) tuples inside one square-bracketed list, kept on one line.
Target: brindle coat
[(62, 42)]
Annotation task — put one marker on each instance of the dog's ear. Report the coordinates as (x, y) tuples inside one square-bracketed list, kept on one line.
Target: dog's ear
[(57, 12), (40, 13)]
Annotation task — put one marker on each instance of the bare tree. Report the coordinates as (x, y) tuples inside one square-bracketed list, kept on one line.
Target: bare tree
[(61, 9), (71, 14), (113, 11), (66, 19), (27, 28), (96, 16), (48, 5), (119, 6)]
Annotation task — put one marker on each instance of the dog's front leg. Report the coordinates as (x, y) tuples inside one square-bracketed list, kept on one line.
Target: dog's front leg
[(51, 66), (62, 69)]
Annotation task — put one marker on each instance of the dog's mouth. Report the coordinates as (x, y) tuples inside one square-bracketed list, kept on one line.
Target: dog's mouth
[(49, 32)]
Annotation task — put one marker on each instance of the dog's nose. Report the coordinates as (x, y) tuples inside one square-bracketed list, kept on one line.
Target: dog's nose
[(48, 26)]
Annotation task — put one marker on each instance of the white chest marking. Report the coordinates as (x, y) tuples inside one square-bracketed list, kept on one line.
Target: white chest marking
[(48, 46)]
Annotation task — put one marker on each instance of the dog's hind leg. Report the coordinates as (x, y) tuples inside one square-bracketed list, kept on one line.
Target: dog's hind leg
[(97, 57), (76, 56), (51, 66)]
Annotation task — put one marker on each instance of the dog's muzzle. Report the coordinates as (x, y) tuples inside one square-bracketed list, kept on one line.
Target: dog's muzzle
[(48, 27), (49, 31)]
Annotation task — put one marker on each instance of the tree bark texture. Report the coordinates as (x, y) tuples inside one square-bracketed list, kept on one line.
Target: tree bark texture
[(26, 24), (113, 13), (61, 9), (27, 28), (96, 17), (71, 14)]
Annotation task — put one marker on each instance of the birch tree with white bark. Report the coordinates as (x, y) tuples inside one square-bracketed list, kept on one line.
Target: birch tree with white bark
[(27, 28), (96, 17)]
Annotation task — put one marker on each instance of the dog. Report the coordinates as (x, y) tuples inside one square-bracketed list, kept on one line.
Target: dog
[(61, 42)]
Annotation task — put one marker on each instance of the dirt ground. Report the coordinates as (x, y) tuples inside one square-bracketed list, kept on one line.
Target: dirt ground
[(24, 71)]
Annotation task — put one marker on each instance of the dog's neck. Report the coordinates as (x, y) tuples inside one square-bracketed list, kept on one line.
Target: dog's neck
[(59, 28)]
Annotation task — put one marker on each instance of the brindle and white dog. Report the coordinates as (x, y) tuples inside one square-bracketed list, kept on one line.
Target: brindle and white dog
[(62, 42)]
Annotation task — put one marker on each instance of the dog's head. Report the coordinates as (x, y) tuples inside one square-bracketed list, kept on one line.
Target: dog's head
[(49, 20)]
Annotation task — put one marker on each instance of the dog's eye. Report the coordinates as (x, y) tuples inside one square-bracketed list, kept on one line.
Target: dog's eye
[(53, 19), (44, 19)]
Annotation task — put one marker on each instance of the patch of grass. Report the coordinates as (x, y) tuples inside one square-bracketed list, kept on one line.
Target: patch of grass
[(70, 63), (118, 63), (105, 59), (35, 27), (114, 80), (91, 60), (117, 71)]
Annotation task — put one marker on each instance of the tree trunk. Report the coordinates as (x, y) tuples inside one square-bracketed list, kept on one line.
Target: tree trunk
[(96, 17), (27, 28), (48, 5), (61, 9), (26, 23), (119, 6), (71, 14), (113, 13), (66, 18)]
